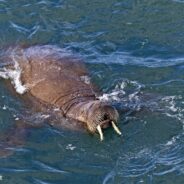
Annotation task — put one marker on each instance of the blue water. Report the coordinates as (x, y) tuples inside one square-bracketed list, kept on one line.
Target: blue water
[(134, 50)]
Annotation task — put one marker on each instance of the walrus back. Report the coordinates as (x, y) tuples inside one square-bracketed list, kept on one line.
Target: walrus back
[(53, 75)]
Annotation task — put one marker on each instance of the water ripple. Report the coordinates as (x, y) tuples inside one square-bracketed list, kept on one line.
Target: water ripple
[(125, 58), (48, 168), (30, 32), (15, 170), (178, 1), (161, 160), (137, 165), (37, 181), (108, 177)]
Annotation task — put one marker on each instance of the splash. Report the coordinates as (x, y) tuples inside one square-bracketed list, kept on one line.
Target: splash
[(85, 79), (115, 94), (14, 75), (70, 147), (125, 93), (173, 107)]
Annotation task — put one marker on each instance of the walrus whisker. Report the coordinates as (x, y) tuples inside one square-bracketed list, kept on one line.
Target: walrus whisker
[(100, 132), (116, 128)]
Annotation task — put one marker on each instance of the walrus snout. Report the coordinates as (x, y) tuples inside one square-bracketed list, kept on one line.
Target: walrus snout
[(101, 117), (105, 124)]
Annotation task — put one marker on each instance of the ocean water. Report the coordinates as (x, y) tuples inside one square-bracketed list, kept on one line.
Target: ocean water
[(134, 50)]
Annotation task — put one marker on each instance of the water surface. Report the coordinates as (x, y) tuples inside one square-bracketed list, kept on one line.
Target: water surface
[(134, 52)]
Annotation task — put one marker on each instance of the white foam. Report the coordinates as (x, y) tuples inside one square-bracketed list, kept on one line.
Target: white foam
[(57, 109), (45, 116), (70, 147), (119, 91), (4, 107), (171, 100), (14, 75), (173, 108), (110, 96), (85, 79), (114, 95), (171, 142)]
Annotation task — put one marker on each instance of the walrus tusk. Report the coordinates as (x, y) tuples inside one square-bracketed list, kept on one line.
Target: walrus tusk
[(116, 128), (100, 132)]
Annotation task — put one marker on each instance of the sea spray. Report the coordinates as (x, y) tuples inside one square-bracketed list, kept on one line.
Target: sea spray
[(14, 75)]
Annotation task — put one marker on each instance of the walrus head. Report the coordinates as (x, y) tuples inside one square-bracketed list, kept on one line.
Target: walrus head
[(97, 116)]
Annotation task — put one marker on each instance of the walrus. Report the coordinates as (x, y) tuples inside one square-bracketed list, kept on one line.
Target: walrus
[(55, 77)]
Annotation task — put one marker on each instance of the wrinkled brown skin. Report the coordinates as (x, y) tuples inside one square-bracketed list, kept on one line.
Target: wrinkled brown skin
[(56, 79)]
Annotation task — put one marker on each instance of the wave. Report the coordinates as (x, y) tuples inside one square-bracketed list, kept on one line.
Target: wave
[(178, 1), (146, 163), (14, 74), (133, 99), (137, 98), (125, 58), (47, 168), (161, 159), (120, 94)]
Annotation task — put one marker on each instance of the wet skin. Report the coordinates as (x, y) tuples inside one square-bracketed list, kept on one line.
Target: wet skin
[(53, 77)]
